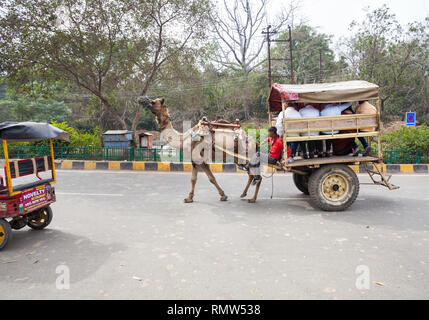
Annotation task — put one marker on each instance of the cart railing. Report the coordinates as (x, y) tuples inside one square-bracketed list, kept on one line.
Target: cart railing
[(334, 127), (308, 126)]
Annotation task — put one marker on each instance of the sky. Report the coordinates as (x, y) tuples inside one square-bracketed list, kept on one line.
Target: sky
[(334, 16)]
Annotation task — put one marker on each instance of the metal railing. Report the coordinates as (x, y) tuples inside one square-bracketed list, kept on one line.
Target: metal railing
[(166, 155), (405, 157), (101, 154)]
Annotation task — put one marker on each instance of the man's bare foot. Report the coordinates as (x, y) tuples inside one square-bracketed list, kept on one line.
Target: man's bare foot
[(252, 201), (224, 198), (244, 195)]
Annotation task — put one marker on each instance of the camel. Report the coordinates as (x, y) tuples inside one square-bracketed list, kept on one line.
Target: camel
[(205, 139)]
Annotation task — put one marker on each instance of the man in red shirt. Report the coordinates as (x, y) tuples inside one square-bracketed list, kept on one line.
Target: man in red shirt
[(274, 156)]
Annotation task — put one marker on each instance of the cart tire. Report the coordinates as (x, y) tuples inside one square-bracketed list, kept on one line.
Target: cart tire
[(301, 182), (44, 221), (5, 233), (333, 187)]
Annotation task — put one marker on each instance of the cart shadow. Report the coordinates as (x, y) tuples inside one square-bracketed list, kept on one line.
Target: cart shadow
[(33, 256), (374, 211), (370, 211)]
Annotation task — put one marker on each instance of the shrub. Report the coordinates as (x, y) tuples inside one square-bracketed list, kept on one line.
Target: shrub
[(78, 138), (255, 133), (407, 139)]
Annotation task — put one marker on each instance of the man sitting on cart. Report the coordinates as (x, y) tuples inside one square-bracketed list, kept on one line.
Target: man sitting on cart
[(291, 112), (260, 158)]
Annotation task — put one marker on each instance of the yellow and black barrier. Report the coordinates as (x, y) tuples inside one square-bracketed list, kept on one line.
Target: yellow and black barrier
[(215, 167)]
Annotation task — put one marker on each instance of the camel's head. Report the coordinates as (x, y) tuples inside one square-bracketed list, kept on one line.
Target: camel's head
[(158, 108)]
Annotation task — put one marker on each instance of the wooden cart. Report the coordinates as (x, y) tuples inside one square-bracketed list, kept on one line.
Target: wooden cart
[(331, 182)]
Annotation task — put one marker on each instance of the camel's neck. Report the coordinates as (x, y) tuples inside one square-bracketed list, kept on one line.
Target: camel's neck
[(172, 136)]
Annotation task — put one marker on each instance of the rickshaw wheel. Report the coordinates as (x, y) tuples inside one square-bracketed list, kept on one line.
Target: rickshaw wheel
[(44, 221), (301, 182), (5, 233), (334, 187)]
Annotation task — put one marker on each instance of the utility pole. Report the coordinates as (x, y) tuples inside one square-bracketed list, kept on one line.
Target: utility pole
[(268, 33), (320, 65), (292, 73), (268, 39)]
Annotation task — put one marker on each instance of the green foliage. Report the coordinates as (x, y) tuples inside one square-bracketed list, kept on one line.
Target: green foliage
[(395, 58), (2, 90), (407, 139), (78, 137), (100, 46), (22, 109), (34, 102), (147, 121), (106, 61), (308, 47), (257, 134)]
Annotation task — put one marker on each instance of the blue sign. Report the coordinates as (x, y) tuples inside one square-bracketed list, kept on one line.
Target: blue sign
[(411, 119)]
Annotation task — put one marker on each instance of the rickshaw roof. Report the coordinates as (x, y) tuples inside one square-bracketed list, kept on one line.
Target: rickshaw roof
[(346, 91), (30, 131)]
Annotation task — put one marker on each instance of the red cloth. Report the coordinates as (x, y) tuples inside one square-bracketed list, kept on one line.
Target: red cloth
[(276, 147), (285, 94)]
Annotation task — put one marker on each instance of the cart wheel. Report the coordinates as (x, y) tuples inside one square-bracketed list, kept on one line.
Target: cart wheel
[(5, 233), (301, 182), (44, 221), (333, 187)]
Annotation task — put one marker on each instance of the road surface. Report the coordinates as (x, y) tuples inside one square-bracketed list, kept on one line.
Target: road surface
[(128, 235)]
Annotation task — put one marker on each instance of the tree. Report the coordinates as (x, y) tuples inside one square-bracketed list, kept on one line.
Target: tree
[(239, 30), (381, 51), (314, 59), (22, 108), (100, 45)]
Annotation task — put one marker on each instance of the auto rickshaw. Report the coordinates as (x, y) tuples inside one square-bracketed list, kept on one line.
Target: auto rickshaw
[(27, 204)]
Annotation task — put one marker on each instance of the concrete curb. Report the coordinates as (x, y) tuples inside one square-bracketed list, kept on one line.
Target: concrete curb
[(215, 167)]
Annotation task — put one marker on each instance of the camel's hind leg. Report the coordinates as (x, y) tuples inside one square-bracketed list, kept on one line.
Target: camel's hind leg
[(194, 178), (258, 185), (212, 179), (244, 195)]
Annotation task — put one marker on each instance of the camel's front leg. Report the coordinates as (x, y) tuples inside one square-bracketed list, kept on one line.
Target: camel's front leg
[(212, 179), (258, 185), (244, 195), (194, 178)]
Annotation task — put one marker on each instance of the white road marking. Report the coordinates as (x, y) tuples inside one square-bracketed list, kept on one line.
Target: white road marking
[(293, 199), (89, 194)]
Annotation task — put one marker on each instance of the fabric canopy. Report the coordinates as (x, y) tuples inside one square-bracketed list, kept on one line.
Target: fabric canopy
[(347, 91), (30, 131)]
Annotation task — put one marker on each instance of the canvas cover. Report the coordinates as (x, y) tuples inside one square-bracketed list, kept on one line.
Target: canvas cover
[(30, 131), (347, 91)]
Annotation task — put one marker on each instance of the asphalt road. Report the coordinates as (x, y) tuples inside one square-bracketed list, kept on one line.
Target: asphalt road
[(130, 236)]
